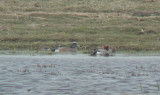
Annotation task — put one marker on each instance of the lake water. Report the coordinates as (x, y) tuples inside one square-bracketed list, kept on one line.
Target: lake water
[(79, 75)]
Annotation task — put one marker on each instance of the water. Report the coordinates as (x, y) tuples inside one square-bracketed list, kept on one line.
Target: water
[(79, 75)]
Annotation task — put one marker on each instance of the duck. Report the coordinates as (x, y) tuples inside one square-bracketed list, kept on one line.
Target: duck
[(106, 51), (72, 49)]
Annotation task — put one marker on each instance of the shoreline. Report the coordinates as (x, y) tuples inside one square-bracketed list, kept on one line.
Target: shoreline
[(50, 53)]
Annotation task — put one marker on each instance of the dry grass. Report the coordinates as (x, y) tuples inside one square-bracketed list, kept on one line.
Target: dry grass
[(92, 23)]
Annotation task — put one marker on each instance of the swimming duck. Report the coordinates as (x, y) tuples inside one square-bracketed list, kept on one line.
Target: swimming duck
[(71, 49), (106, 51)]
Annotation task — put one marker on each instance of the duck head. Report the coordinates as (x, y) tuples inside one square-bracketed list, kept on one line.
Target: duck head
[(106, 47), (74, 45)]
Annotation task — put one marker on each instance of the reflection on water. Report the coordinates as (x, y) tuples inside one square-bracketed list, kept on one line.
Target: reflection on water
[(79, 75)]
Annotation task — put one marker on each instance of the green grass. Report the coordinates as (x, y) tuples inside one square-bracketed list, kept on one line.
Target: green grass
[(39, 24)]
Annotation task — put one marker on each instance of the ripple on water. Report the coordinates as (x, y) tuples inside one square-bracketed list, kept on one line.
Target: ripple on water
[(79, 75)]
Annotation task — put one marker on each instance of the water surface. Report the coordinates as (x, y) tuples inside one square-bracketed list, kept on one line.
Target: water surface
[(79, 75)]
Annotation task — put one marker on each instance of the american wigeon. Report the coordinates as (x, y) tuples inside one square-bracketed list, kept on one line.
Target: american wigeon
[(106, 51), (72, 49)]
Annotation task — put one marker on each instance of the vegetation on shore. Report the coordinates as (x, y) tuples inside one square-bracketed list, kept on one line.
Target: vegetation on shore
[(129, 25)]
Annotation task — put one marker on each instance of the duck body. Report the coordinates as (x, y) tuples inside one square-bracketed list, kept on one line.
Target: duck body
[(64, 49), (100, 52), (71, 49), (106, 51)]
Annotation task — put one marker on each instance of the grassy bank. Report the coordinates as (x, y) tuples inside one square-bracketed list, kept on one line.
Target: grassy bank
[(129, 25)]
